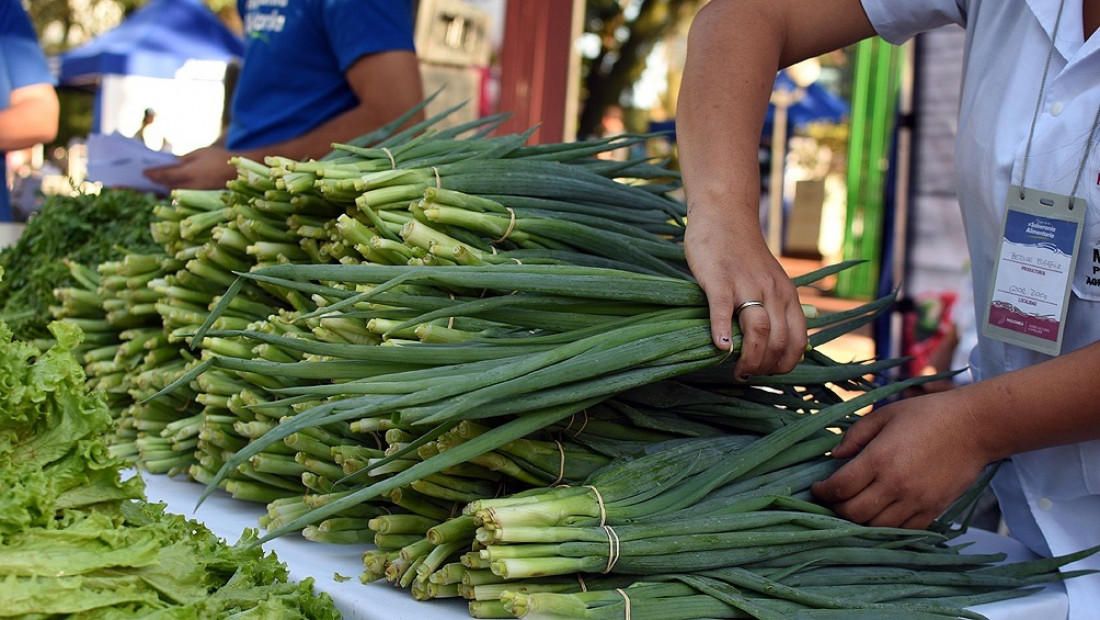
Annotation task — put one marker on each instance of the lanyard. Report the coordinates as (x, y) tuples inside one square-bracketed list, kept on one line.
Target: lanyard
[(1039, 248), (1039, 106)]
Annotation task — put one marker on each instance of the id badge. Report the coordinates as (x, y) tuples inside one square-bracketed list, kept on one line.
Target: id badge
[(1036, 259)]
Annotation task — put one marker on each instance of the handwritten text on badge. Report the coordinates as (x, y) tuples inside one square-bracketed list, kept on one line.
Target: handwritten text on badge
[(1036, 257)]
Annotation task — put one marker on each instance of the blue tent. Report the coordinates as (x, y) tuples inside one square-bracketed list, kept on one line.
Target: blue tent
[(155, 41), (817, 105)]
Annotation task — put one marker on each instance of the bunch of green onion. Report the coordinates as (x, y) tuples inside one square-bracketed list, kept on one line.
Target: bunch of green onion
[(283, 212), (426, 319)]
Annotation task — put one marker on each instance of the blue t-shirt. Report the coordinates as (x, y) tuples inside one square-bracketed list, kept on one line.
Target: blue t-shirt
[(296, 53), (22, 63)]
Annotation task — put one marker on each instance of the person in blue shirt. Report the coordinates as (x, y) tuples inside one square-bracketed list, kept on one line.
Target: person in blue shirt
[(28, 101), (314, 72)]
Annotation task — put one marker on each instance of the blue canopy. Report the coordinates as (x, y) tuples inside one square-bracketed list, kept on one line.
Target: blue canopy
[(155, 41), (817, 105)]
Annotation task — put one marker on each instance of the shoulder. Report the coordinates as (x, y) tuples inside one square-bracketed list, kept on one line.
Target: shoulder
[(359, 27), (15, 21), (899, 20), (20, 53), (377, 9)]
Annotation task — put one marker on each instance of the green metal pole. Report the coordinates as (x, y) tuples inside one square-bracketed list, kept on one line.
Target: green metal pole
[(874, 101)]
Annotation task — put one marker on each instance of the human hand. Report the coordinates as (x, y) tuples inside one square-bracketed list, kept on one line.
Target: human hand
[(734, 265), (205, 168), (909, 461)]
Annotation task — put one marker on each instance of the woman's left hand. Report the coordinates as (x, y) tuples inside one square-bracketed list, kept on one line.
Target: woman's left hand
[(909, 461)]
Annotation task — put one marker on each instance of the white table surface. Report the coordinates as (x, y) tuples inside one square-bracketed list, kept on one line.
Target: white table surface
[(228, 517)]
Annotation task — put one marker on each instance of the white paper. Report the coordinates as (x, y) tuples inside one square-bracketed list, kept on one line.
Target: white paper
[(117, 161)]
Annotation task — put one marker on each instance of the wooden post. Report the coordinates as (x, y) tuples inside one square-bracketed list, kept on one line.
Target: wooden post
[(540, 67)]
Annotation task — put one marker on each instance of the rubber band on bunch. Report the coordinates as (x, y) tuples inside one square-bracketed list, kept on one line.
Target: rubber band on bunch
[(572, 419), (511, 226), (613, 545), (584, 425), (626, 602), (599, 502), (561, 464)]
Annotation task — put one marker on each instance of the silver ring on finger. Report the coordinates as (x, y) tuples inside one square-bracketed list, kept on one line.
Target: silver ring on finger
[(746, 304)]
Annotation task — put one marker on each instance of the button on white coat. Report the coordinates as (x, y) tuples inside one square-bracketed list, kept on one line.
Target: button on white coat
[(1045, 504), (1056, 108)]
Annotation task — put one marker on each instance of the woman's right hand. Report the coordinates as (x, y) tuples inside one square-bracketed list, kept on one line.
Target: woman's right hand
[(734, 51), (733, 265)]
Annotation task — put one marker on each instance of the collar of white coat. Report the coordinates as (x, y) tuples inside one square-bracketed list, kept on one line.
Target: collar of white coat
[(1070, 43)]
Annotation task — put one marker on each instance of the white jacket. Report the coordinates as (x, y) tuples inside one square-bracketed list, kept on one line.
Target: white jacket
[(1050, 498)]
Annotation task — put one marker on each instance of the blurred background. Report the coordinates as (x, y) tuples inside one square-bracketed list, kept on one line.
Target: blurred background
[(855, 156)]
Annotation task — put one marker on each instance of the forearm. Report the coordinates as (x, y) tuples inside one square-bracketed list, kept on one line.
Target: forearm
[(722, 106), (318, 142), (31, 118), (734, 52), (1053, 403)]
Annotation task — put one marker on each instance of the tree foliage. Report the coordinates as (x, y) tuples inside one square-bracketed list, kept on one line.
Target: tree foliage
[(627, 31), (63, 24)]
